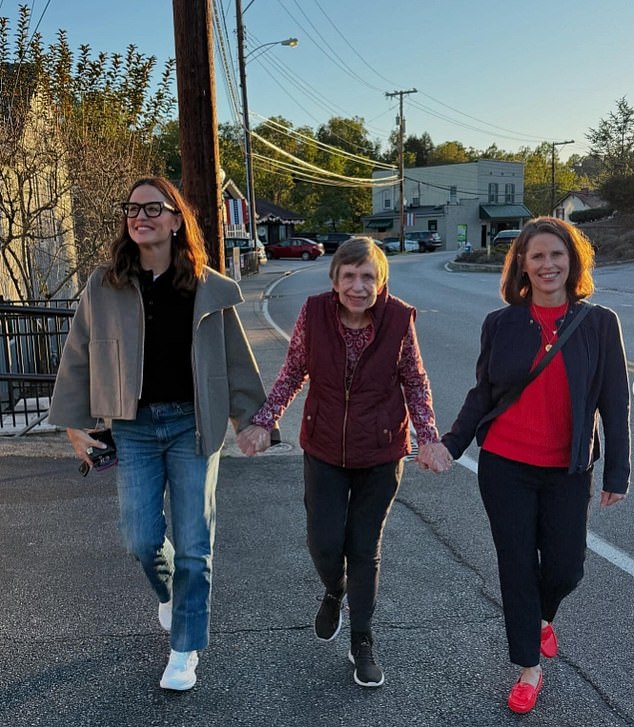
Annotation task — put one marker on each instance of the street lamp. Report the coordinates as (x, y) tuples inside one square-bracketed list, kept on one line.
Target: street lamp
[(292, 42), (552, 171)]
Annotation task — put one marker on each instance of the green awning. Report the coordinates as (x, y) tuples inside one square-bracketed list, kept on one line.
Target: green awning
[(504, 212), (382, 224)]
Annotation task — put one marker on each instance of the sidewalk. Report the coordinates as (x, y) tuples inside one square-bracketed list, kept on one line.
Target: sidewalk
[(80, 644)]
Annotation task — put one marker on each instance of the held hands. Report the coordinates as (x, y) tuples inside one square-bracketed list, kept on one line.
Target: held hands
[(434, 456), (253, 439)]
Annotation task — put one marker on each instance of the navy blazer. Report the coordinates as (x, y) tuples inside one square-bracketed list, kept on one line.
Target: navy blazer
[(595, 363)]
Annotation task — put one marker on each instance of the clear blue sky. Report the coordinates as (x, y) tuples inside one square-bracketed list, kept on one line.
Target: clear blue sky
[(512, 73)]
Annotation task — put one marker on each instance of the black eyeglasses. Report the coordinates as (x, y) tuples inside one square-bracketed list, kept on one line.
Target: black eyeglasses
[(151, 209)]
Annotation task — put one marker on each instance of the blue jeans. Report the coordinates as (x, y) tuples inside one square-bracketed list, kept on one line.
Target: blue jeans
[(157, 449)]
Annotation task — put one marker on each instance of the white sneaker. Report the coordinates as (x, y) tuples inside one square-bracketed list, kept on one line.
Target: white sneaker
[(180, 672), (165, 615)]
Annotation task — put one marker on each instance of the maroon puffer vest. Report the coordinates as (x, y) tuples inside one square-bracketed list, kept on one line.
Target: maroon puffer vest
[(368, 424)]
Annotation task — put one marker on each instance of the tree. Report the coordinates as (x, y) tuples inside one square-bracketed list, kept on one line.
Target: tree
[(451, 152), (36, 232), (96, 120), (613, 140), (538, 177), (341, 207), (324, 201), (618, 191), (167, 144), (417, 150)]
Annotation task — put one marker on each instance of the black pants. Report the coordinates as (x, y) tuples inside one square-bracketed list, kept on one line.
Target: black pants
[(346, 510), (538, 519)]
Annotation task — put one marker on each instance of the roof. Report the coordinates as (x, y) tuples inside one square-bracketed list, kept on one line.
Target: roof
[(586, 197), (504, 211), (269, 212)]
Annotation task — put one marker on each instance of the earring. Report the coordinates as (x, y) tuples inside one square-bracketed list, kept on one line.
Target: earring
[(174, 234)]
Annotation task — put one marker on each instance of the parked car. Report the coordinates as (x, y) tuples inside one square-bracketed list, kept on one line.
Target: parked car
[(332, 240), (427, 240), (246, 244), (295, 247), (505, 237), (393, 244)]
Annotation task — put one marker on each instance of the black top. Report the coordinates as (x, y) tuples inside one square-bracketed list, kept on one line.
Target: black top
[(167, 365)]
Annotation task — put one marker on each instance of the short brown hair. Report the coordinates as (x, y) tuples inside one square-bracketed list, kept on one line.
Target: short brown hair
[(356, 251), (189, 254), (515, 287)]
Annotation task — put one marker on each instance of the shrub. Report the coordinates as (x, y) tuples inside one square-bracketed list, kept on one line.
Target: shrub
[(591, 215)]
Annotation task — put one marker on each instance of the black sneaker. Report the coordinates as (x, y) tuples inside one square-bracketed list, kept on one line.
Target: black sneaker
[(367, 673), (328, 618)]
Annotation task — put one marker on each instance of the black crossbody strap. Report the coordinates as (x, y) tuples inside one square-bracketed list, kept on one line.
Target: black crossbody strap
[(513, 394), (565, 335)]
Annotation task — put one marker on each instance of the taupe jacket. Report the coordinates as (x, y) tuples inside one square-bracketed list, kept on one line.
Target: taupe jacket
[(100, 373)]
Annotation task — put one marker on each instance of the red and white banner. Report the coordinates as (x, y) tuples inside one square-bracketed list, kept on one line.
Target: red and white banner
[(236, 211)]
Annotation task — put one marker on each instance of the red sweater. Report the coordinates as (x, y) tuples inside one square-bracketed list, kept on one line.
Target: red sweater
[(528, 431)]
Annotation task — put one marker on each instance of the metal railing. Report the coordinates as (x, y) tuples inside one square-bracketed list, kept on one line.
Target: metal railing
[(32, 336)]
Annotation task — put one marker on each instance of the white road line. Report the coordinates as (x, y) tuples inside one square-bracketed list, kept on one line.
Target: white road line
[(597, 545), (265, 307)]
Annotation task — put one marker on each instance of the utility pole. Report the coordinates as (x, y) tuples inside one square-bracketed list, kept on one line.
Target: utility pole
[(248, 158), (198, 125), (401, 163), (552, 171)]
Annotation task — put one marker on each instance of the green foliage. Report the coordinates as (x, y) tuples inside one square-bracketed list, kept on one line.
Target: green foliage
[(591, 215), (167, 145), (613, 140), (618, 191), (451, 152), (102, 115)]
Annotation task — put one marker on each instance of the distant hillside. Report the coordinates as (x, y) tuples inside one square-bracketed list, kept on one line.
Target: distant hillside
[(613, 238)]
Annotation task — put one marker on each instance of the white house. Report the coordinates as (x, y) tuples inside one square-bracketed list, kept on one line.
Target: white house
[(576, 201), (471, 202)]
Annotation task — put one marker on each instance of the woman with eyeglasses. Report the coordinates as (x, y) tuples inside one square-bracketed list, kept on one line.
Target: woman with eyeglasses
[(156, 347)]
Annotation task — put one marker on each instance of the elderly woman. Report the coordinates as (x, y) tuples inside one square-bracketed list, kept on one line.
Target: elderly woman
[(357, 345)]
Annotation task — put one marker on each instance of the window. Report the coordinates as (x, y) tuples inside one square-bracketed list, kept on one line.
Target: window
[(387, 203), (415, 201), (509, 193), (493, 192)]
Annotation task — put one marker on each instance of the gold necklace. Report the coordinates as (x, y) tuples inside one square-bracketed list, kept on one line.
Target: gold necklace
[(550, 340)]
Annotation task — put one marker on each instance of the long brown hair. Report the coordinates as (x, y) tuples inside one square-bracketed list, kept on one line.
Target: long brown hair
[(515, 287), (189, 255)]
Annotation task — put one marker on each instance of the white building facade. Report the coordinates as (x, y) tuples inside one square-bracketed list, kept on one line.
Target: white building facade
[(468, 202)]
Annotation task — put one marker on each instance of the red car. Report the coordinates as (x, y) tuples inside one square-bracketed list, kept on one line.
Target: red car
[(295, 247)]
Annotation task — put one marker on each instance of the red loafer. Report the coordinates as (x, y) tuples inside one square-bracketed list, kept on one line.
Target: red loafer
[(548, 643), (523, 696)]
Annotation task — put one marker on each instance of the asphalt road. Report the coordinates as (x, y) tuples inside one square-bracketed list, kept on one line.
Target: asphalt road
[(596, 622), (80, 644)]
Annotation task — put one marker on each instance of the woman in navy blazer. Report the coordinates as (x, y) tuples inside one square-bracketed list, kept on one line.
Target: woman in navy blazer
[(537, 454)]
